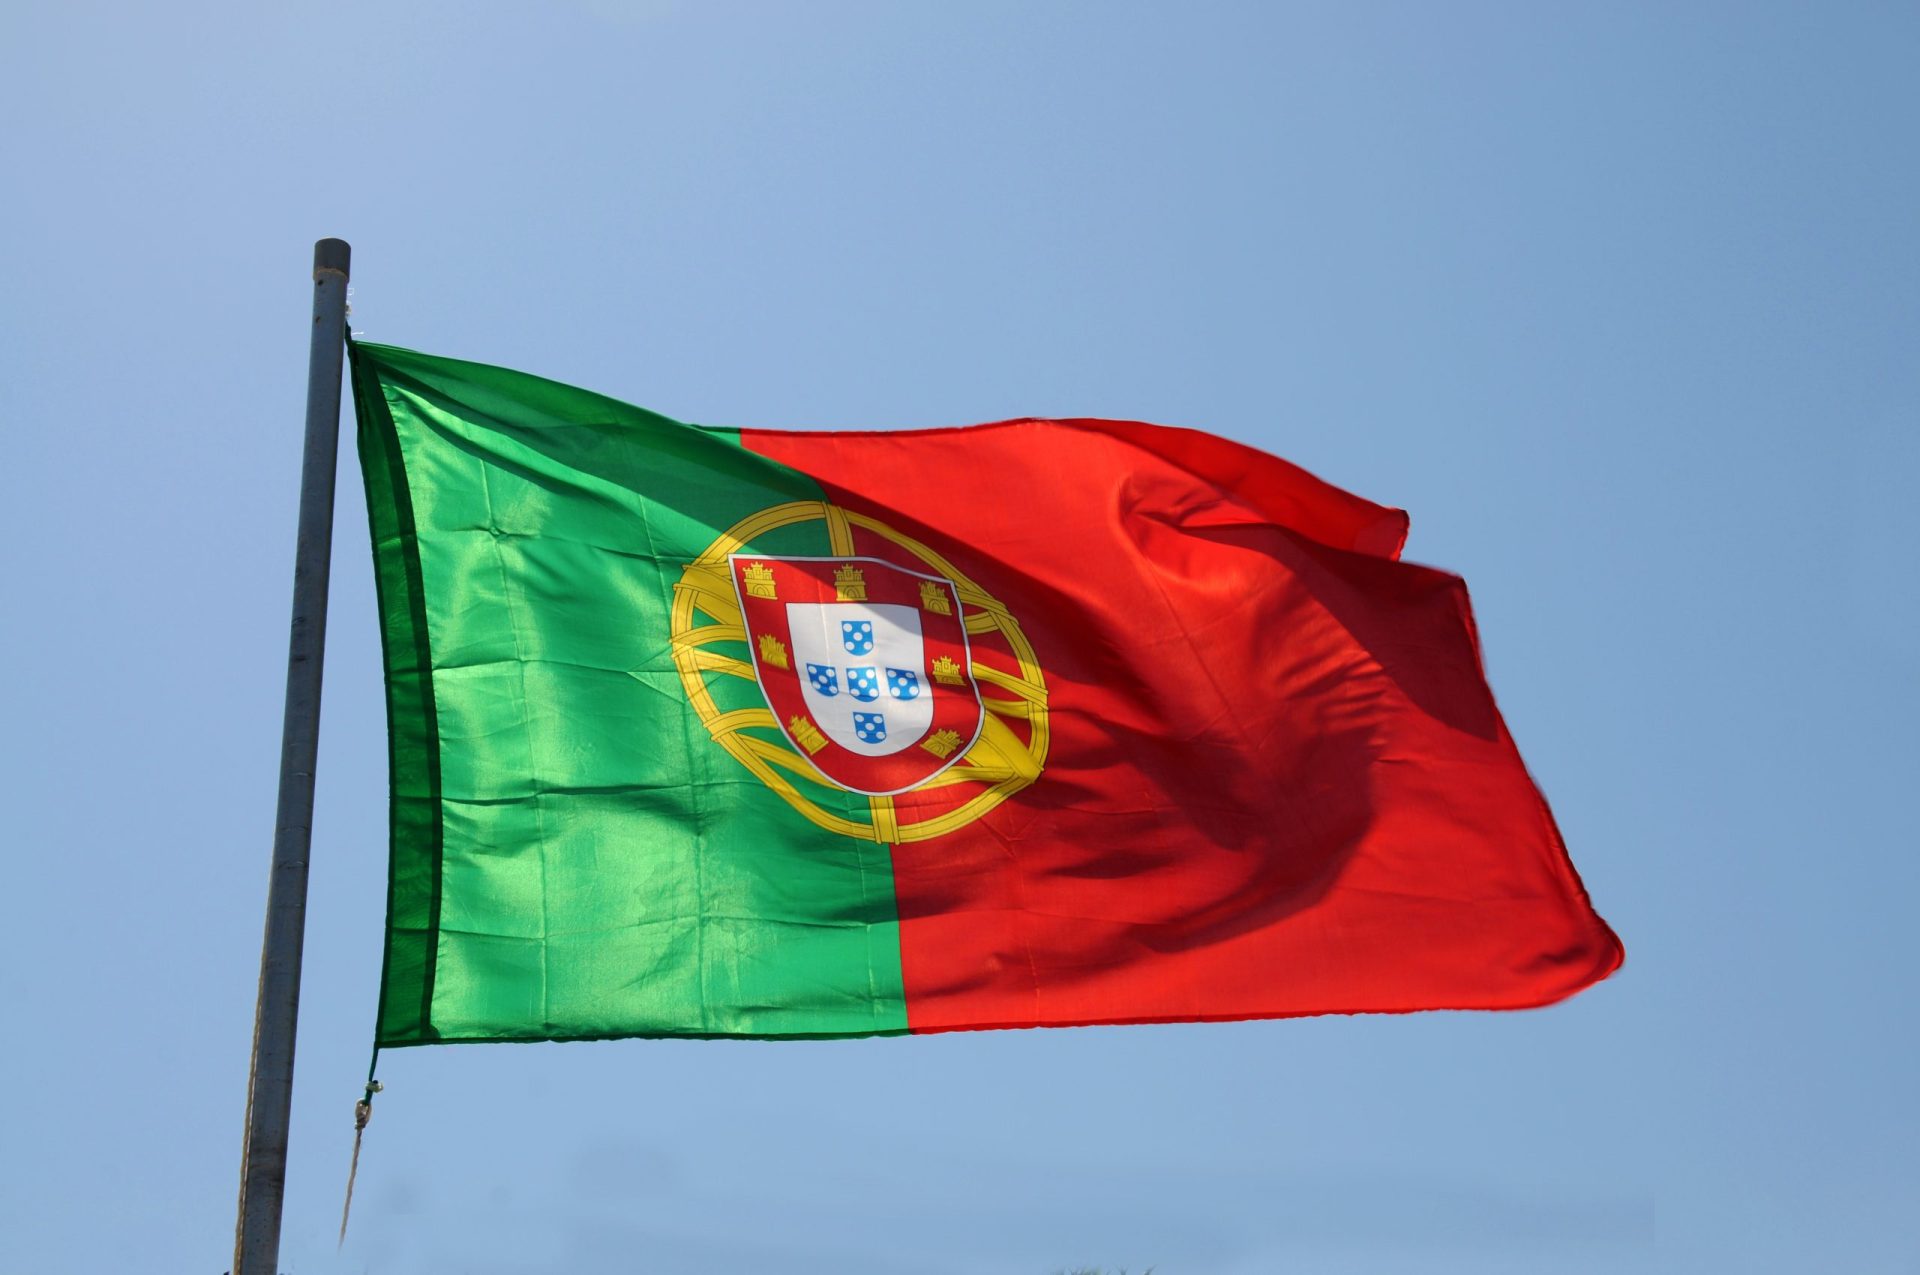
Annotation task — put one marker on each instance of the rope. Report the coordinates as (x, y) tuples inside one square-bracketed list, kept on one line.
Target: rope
[(362, 1112)]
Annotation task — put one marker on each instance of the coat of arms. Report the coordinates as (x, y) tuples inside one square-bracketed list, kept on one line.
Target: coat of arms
[(882, 671), (865, 665)]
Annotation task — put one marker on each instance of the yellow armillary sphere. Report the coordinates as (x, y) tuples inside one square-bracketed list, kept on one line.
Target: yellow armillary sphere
[(723, 672)]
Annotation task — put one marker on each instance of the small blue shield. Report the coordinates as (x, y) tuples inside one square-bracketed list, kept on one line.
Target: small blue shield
[(856, 636)]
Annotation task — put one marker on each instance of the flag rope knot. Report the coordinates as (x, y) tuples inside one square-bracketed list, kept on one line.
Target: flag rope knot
[(363, 1109), (362, 1112)]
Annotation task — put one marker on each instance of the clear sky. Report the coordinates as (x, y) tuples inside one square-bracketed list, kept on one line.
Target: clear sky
[(1618, 300)]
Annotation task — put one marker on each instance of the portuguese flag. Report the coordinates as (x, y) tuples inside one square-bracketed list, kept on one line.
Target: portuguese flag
[(713, 732)]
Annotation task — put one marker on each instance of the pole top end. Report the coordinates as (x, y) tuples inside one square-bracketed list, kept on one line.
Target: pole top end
[(333, 255)]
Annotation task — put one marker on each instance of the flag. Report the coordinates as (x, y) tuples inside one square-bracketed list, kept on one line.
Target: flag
[(715, 732)]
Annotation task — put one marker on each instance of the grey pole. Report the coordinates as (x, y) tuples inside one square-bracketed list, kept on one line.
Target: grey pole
[(263, 1161)]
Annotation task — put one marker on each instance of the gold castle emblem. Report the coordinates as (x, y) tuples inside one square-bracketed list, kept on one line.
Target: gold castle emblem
[(849, 584), (760, 581), (773, 651), (946, 671), (934, 598), (806, 734), (942, 743)]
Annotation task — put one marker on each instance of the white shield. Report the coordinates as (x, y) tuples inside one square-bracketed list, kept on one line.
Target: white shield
[(847, 655)]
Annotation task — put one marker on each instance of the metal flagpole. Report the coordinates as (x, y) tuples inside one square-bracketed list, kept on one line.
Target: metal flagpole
[(263, 1162)]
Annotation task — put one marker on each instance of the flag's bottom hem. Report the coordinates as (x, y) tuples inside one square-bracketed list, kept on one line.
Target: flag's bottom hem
[(941, 1029)]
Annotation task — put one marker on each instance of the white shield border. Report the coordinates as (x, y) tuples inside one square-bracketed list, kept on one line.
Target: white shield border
[(753, 659)]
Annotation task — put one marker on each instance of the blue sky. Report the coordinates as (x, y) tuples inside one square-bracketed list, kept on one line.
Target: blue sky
[(1618, 300)]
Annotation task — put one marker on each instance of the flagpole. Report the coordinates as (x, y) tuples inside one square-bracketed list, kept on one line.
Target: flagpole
[(263, 1161)]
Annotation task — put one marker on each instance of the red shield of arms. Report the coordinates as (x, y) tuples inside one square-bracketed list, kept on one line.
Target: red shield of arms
[(864, 665)]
